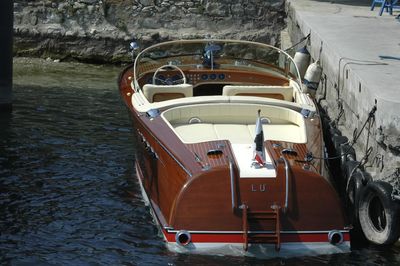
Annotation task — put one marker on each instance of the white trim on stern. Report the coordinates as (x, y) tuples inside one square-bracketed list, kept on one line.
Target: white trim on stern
[(244, 154), (265, 251)]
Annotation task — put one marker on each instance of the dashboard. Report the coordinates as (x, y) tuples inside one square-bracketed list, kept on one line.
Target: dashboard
[(198, 77)]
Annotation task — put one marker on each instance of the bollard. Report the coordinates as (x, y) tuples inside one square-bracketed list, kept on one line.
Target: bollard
[(6, 54)]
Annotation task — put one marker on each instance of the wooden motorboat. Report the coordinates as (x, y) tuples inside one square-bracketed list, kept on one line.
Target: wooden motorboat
[(229, 150)]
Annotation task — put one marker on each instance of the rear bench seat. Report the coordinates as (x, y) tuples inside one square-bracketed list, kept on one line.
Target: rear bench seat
[(234, 122), (236, 133)]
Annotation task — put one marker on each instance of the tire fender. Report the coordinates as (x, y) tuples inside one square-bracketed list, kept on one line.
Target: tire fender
[(379, 214), (337, 141), (353, 193), (347, 153)]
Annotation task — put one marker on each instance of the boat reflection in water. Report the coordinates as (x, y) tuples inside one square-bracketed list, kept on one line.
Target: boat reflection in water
[(230, 148)]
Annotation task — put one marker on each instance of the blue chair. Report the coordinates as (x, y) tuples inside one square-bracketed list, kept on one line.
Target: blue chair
[(389, 5), (374, 2)]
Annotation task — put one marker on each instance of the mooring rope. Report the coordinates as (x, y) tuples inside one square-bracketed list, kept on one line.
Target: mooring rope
[(371, 115), (299, 42)]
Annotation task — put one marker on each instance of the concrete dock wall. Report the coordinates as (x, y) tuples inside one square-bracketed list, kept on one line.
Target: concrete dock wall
[(357, 50)]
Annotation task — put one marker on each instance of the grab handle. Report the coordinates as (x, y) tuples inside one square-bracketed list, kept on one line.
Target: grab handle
[(287, 182), (232, 174)]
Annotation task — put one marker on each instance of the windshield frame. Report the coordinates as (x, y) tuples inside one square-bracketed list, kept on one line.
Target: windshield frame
[(287, 71)]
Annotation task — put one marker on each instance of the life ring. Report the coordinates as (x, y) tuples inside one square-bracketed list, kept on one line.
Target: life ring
[(379, 214)]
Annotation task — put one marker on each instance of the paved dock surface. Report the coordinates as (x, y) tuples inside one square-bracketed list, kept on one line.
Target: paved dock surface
[(360, 55)]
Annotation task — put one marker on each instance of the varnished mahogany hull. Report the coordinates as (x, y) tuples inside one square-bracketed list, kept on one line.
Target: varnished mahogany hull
[(186, 196)]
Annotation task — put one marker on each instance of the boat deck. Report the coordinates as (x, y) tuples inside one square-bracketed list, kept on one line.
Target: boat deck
[(236, 123)]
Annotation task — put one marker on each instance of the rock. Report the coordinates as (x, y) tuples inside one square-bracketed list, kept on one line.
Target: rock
[(194, 10), (90, 9), (216, 9), (237, 10), (173, 9), (151, 23), (148, 9), (165, 4), (78, 5), (72, 26), (70, 33), (55, 18), (62, 6), (250, 10), (161, 9), (33, 19), (88, 2), (147, 2), (47, 3)]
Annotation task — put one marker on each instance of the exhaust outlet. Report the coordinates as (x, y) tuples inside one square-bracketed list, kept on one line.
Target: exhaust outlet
[(183, 238), (335, 237)]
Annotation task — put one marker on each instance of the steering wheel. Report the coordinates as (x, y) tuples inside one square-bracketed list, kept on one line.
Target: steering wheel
[(169, 81)]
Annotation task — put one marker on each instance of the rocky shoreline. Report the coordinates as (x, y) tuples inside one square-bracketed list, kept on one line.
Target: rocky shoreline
[(99, 31)]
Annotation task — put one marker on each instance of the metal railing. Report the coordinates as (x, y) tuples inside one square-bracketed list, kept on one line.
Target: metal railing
[(287, 182), (232, 174)]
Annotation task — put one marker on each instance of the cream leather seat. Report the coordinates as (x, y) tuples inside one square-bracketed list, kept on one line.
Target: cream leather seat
[(158, 93), (276, 92)]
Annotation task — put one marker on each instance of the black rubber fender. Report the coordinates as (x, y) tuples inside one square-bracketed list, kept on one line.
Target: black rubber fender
[(353, 192), (335, 131), (337, 141), (379, 214), (350, 168), (366, 177), (347, 153)]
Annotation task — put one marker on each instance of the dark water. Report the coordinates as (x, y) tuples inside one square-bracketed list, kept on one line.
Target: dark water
[(68, 193)]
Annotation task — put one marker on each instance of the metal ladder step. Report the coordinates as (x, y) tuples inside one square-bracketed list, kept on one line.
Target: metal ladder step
[(258, 237)]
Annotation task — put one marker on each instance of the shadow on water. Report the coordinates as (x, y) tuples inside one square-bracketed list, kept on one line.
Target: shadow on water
[(68, 192)]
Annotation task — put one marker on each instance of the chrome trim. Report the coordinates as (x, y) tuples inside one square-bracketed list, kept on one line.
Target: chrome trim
[(169, 153), (332, 233), (241, 232), (183, 233), (289, 151), (287, 182), (152, 113), (232, 174), (194, 120)]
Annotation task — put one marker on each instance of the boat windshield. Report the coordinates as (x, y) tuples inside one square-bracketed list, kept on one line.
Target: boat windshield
[(216, 54)]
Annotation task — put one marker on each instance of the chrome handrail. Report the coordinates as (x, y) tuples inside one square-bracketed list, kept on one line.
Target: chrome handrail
[(232, 174), (287, 182)]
